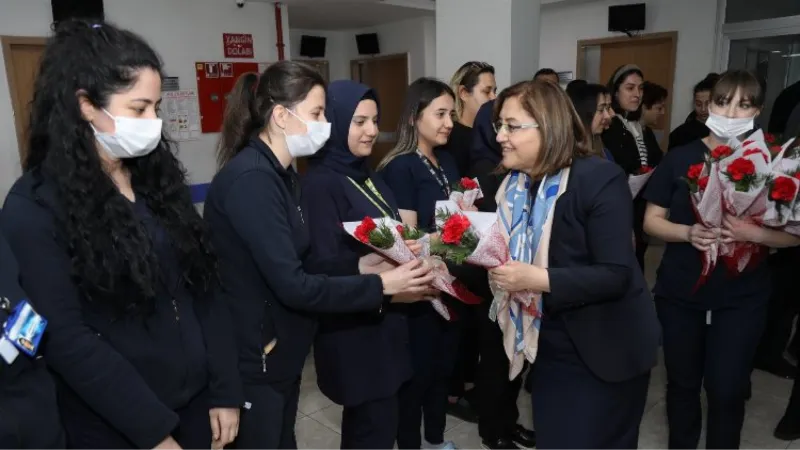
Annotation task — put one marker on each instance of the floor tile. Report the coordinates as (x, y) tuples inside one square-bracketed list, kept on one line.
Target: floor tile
[(319, 420), (311, 399), (313, 435)]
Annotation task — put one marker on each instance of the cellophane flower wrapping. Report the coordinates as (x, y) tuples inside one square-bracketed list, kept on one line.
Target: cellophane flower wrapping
[(466, 198), (637, 181), (401, 254), (749, 182), (707, 203), (744, 177), (492, 251)]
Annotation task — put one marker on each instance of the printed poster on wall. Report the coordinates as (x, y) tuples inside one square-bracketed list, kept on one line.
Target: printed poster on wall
[(238, 45), (181, 114)]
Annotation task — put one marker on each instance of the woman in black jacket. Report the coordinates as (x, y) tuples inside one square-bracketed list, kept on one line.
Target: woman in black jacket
[(496, 394), (632, 145), (362, 358), (113, 253), (262, 236), (27, 392), (598, 332)]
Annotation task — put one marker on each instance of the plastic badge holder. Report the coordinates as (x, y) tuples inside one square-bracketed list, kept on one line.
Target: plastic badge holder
[(22, 332)]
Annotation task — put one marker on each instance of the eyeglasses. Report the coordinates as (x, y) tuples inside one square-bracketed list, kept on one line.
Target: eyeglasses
[(511, 129)]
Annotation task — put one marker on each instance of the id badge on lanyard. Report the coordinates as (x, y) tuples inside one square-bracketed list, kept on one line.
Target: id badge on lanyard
[(22, 332)]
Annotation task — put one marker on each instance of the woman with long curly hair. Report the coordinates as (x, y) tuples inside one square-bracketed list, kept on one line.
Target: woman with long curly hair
[(113, 253)]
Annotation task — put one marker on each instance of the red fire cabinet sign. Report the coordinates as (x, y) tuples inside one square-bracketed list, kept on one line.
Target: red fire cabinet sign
[(238, 45), (215, 81)]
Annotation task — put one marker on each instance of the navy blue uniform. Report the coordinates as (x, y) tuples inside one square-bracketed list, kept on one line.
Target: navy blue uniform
[(129, 381), (711, 333), (434, 341), (362, 359), (262, 238), (27, 394)]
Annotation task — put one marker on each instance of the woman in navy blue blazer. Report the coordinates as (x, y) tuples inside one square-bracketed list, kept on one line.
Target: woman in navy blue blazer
[(419, 175), (599, 334), (362, 358)]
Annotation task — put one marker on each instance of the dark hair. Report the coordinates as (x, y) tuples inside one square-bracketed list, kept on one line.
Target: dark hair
[(732, 81), (653, 93), (421, 93), (584, 99), (112, 255), (563, 134), (706, 84), (616, 80), (545, 71), (468, 76), (251, 103), (575, 85)]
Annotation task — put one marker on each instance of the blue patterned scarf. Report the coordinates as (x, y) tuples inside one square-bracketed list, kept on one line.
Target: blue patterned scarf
[(523, 217)]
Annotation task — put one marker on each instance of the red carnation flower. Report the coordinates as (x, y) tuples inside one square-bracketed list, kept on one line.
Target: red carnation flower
[(454, 229), (783, 190), (741, 168), (721, 151), (468, 184), (769, 137), (364, 229), (694, 171), (703, 182)]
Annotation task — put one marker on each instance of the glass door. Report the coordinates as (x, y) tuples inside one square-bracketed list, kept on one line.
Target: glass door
[(776, 60)]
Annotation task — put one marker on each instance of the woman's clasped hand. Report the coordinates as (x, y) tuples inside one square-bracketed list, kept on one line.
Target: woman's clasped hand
[(733, 229)]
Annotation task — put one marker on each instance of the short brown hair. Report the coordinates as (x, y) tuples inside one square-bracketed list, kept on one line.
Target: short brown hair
[(729, 82), (563, 134)]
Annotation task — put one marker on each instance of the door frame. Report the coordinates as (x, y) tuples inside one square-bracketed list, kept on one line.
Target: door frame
[(7, 42), (383, 136), (355, 62), (754, 29), (672, 36)]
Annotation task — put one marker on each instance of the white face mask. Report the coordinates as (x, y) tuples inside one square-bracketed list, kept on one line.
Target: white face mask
[(131, 138), (728, 128), (307, 144)]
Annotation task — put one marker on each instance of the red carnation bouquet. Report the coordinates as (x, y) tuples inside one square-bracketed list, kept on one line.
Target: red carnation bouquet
[(638, 180), (755, 181), (465, 192), (476, 238), (469, 237), (387, 237)]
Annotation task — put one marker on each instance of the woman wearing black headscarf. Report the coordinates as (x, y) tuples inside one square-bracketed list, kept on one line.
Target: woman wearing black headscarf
[(362, 359)]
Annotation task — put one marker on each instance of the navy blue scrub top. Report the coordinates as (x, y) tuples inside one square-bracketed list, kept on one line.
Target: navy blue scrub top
[(416, 189), (681, 265)]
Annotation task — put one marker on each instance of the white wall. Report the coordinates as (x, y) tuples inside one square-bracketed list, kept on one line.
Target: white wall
[(416, 37), (336, 50), (694, 20), (182, 31)]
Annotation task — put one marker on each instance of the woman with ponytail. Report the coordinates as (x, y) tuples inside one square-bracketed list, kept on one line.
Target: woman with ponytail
[(262, 237)]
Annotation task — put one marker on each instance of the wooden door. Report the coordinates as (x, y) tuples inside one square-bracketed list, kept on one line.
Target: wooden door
[(22, 56), (654, 54), (388, 75)]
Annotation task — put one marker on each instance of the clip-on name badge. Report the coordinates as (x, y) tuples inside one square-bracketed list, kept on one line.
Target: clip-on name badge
[(22, 332)]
